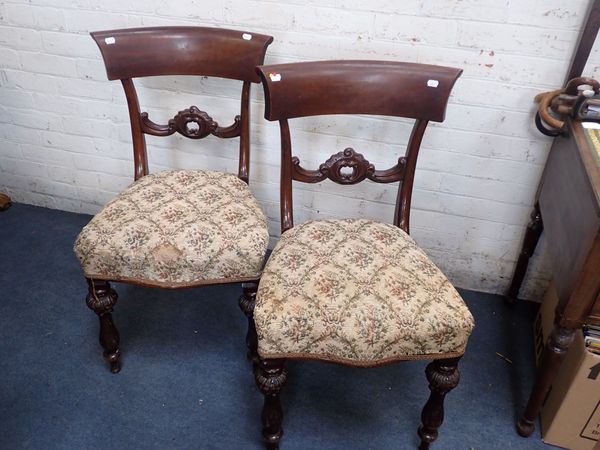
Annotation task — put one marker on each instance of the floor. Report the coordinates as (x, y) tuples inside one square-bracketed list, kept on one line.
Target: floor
[(185, 383)]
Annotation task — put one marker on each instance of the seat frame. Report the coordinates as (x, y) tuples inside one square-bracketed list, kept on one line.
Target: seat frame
[(160, 51), (383, 88)]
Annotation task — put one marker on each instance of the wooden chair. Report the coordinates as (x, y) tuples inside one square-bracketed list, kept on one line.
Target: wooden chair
[(356, 292), (177, 228)]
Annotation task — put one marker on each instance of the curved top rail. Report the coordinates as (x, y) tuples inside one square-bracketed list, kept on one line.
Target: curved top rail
[(418, 91), (141, 52)]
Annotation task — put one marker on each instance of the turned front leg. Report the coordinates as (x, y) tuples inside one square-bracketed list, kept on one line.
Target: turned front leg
[(101, 298), (532, 236), (247, 302), (554, 353), (271, 376), (443, 376)]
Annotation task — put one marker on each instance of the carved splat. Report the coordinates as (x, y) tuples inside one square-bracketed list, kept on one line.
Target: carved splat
[(348, 167), (191, 123)]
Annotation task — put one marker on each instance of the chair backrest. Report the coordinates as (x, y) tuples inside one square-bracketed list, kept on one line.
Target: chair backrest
[(143, 52), (416, 91)]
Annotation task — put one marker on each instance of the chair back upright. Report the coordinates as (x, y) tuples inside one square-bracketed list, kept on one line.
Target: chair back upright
[(416, 91), (200, 51)]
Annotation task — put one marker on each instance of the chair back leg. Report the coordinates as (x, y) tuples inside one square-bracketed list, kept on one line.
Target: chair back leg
[(443, 376), (247, 302)]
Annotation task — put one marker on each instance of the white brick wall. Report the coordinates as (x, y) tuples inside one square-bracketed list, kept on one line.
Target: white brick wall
[(65, 142)]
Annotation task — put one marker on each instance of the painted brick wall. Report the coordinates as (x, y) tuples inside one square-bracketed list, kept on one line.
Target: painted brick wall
[(65, 142)]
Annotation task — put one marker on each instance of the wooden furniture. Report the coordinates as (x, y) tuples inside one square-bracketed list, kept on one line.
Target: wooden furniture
[(586, 41), (567, 209), (186, 228), (356, 292), (4, 202)]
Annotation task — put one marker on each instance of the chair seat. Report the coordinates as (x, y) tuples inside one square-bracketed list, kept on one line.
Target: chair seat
[(177, 228), (358, 292)]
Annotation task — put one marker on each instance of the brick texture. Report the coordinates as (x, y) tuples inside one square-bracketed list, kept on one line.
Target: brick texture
[(65, 139)]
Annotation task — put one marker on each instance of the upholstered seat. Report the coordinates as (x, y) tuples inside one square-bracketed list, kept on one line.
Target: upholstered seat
[(359, 292), (181, 227)]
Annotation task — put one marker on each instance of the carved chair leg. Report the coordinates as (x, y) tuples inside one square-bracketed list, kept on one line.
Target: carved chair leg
[(247, 302), (554, 353), (532, 236), (271, 376), (101, 298), (443, 376)]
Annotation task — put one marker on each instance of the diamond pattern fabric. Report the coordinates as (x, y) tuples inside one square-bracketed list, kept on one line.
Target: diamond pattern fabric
[(177, 228), (358, 292)]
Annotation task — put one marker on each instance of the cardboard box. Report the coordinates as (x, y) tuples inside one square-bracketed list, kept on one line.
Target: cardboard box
[(570, 416)]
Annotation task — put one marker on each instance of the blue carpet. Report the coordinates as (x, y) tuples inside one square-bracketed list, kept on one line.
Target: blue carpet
[(185, 382)]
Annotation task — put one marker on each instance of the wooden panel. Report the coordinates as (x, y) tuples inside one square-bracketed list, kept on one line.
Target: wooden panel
[(571, 219), (390, 88), (586, 41), (594, 316), (141, 52), (586, 292)]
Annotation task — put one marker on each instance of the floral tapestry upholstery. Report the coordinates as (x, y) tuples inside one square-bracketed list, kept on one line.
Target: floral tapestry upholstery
[(359, 292), (177, 228)]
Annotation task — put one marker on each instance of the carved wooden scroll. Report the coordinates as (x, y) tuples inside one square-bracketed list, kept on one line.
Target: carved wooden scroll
[(348, 167), (191, 123)]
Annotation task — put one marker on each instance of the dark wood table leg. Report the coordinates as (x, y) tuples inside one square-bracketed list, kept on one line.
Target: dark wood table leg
[(554, 353), (532, 236)]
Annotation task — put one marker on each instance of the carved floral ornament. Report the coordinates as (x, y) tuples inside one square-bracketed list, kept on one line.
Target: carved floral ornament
[(348, 167), (191, 123), (359, 167)]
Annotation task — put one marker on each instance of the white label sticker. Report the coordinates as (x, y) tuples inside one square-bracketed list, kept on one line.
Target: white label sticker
[(275, 76), (246, 36), (591, 125), (433, 83), (109, 40)]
